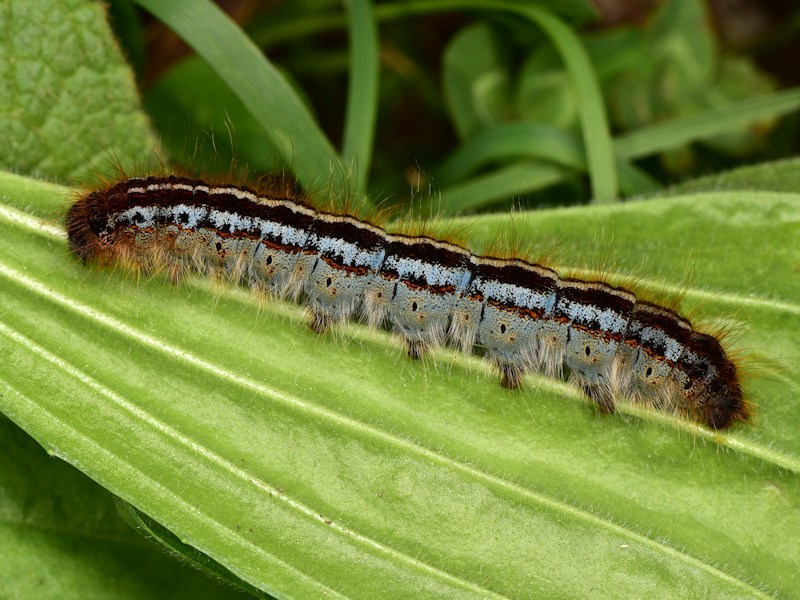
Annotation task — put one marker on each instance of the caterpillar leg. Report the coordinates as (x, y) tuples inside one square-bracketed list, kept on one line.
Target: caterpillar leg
[(511, 376), (416, 349), (320, 321), (600, 397)]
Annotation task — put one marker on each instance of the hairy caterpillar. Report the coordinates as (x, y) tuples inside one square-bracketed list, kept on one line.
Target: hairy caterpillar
[(522, 315)]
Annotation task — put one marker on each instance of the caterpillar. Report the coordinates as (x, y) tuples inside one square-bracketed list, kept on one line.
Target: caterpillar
[(520, 315)]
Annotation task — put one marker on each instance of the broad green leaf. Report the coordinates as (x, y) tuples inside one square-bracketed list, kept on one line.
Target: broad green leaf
[(308, 464), (68, 103), (61, 537), (777, 176)]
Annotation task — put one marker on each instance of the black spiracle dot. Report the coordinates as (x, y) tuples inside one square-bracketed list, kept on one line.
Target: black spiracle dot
[(219, 246), (502, 328), (328, 282), (688, 385), (588, 350), (649, 371), (269, 259), (413, 306)]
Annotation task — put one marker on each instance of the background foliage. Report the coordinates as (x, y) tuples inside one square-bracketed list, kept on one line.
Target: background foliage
[(368, 475)]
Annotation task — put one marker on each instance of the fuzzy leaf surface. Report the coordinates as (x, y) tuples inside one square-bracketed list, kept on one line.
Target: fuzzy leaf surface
[(308, 464)]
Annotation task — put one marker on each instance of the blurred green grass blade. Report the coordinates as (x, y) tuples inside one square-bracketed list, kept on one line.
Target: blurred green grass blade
[(362, 91), (261, 88), (560, 156), (514, 179), (591, 108), (677, 132), (577, 10), (512, 140), (267, 33)]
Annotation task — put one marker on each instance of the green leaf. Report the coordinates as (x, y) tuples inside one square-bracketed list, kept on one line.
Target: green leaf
[(54, 121), (60, 536), (777, 176), (191, 104), (155, 531), (308, 464), (362, 92), (544, 91), (475, 80), (678, 64), (559, 155), (681, 130)]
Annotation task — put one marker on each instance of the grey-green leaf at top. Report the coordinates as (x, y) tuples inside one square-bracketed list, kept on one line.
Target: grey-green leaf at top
[(68, 102)]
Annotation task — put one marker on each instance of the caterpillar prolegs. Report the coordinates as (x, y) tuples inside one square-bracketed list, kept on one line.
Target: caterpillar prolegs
[(522, 316)]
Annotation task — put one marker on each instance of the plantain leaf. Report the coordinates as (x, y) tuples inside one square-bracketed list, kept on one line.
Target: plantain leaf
[(60, 536), (296, 464), (307, 464)]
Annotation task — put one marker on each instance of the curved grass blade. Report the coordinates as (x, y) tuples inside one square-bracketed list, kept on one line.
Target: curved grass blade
[(559, 156), (683, 130), (514, 179), (512, 140), (260, 87), (362, 91)]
